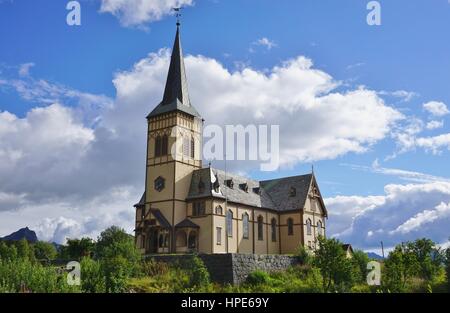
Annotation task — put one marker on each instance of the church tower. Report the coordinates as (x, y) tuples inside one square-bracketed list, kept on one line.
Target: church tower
[(174, 145)]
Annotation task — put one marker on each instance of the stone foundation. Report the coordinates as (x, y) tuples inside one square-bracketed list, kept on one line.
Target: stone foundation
[(233, 268)]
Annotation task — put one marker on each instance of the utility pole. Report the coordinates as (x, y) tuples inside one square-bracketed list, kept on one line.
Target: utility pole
[(382, 249)]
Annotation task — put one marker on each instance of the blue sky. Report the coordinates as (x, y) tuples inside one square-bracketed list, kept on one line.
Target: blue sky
[(404, 61)]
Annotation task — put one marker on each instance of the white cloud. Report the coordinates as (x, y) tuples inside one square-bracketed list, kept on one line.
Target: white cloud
[(435, 125), (411, 176), (265, 42), (405, 212), (404, 95), (426, 217), (436, 108), (60, 164), (24, 69), (434, 144), (138, 12), (408, 139)]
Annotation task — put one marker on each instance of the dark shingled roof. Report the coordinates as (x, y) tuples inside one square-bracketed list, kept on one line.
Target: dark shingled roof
[(186, 223), (270, 194), (141, 202), (235, 194), (160, 218), (279, 191), (176, 95)]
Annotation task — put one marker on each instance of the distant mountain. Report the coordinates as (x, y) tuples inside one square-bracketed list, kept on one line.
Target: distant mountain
[(23, 233), (373, 255)]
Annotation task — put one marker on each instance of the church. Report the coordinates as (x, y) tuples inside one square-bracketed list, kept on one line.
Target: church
[(189, 208)]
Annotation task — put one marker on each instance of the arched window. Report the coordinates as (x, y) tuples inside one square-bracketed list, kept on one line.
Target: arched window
[(273, 226), (186, 146), (158, 146), (319, 228), (245, 225), (308, 227), (166, 241), (219, 210), (229, 223), (165, 145), (290, 223), (192, 241), (260, 228)]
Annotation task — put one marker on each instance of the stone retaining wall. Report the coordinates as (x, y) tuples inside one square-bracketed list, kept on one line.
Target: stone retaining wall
[(233, 268)]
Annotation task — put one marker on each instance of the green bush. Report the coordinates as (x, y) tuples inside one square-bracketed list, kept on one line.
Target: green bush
[(92, 277), (304, 256), (447, 267), (152, 268), (23, 275), (258, 278), (200, 274)]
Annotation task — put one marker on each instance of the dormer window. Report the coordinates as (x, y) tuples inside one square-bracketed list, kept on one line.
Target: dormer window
[(244, 187), (257, 190), (229, 183), (201, 186), (292, 192), (216, 185)]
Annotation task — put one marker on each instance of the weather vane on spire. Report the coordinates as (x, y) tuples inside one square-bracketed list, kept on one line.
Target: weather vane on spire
[(178, 14)]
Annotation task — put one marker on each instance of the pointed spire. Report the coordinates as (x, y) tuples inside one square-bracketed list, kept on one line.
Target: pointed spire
[(176, 84)]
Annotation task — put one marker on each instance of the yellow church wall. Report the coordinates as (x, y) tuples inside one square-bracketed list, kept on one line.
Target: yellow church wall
[(167, 172), (183, 175), (289, 243)]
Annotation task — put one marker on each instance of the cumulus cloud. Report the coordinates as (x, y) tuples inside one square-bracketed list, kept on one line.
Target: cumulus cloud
[(436, 108), (138, 12), (294, 95), (435, 125), (63, 167), (405, 212), (264, 42)]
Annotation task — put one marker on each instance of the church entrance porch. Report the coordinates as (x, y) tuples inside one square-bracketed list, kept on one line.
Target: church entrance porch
[(187, 237)]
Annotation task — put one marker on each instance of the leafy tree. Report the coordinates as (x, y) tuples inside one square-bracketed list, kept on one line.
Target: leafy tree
[(400, 266), (24, 250), (45, 251), (115, 242), (7, 252), (303, 255), (360, 261), (429, 257), (76, 249), (118, 256), (334, 266)]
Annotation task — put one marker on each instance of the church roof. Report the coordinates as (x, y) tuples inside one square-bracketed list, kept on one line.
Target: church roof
[(279, 191), (141, 202), (187, 223), (161, 219), (273, 194), (176, 94)]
